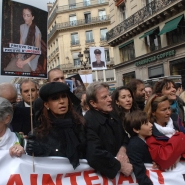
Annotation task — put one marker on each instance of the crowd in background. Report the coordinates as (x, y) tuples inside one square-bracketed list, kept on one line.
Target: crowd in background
[(116, 132)]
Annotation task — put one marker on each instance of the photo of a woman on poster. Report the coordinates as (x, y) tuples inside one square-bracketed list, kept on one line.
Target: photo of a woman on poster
[(29, 35), (24, 39)]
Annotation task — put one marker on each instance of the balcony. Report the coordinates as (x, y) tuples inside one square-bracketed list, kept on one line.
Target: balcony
[(80, 22), (75, 43), (54, 12), (143, 18), (84, 4)]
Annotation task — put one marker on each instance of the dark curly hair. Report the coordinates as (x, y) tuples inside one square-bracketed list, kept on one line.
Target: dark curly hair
[(44, 122), (158, 87), (120, 111)]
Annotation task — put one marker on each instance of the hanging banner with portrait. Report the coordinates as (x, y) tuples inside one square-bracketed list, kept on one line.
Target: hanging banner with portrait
[(97, 56), (24, 39)]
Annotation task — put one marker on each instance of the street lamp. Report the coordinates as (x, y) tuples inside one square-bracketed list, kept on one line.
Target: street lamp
[(80, 56)]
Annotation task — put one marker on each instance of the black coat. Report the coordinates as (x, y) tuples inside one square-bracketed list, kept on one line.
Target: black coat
[(54, 142), (105, 135), (137, 151), (21, 121)]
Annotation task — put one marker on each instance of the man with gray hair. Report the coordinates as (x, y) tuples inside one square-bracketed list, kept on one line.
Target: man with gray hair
[(8, 91), (21, 117), (106, 138)]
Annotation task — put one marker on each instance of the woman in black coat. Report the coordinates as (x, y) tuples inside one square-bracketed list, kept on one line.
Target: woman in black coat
[(60, 130)]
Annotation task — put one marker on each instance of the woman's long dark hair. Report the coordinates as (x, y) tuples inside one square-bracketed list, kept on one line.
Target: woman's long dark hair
[(119, 110), (30, 39), (45, 123)]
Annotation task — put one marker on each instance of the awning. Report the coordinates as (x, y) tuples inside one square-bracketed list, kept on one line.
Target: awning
[(171, 25), (148, 33), (125, 44)]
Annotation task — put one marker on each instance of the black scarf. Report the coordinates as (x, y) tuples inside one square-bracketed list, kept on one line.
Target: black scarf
[(67, 131)]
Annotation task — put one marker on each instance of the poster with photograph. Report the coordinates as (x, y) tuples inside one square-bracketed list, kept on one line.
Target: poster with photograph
[(97, 55), (70, 84), (78, 84), (23, 39)]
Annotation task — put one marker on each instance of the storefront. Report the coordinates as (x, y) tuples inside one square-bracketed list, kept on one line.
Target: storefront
[(169, 61)]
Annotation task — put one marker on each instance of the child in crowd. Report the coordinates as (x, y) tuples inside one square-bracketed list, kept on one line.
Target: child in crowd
[(138, 126)]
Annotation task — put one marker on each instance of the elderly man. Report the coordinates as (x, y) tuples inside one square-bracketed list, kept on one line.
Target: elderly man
[(106, 138), (21, 116), (8, 91)]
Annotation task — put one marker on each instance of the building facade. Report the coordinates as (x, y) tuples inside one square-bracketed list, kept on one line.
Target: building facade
[(74, 26), (148, 37)]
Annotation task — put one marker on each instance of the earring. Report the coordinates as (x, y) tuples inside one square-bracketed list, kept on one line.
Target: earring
[(48, 108)]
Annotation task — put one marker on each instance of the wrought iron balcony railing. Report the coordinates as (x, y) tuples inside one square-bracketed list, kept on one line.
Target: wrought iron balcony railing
[(52, 32), (69, 7), (144, 13), (80, 22), (83, 21), (74, 43), (81, 5), (52, 15)]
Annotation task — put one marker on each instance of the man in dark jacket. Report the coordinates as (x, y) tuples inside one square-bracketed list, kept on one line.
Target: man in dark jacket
[(106, 138)]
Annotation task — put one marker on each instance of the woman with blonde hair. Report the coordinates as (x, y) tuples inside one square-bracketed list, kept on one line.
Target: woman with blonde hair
[(167, 144)]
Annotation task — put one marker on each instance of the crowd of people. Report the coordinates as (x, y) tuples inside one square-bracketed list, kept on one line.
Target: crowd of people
[(116, 132)]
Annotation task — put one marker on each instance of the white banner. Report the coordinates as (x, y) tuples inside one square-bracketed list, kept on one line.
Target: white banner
[(58, 171)]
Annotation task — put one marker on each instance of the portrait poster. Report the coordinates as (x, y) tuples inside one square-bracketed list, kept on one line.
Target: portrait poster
[(97, 56), (70, 84), (78, 84), (24, 39)]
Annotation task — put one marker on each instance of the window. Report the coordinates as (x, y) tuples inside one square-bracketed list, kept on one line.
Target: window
[(156, 71), (103, 34), (127, 51), (74, 39), (177, 67), (128, 76), (76, 60), (89, 36), (177, 35), (87, 17), (102, 15), (72, 4), (122, 9), (87, 2), (107, 55), (153, 41), (101, 1), (72, 20)]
